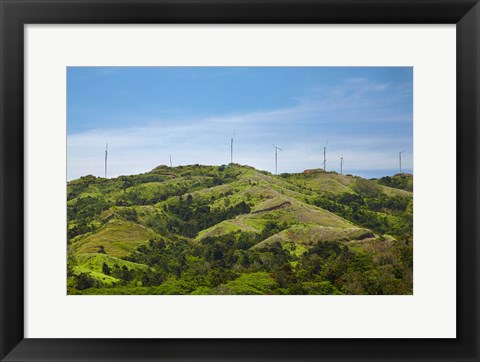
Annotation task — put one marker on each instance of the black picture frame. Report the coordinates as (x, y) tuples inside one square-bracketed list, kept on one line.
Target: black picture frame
[(16, 13)]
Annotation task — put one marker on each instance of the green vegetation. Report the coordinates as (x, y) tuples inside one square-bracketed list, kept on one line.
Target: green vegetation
[(236, 230), (403, 181)]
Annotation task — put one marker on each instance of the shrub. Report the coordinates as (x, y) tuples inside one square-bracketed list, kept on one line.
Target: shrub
[(85, 281)]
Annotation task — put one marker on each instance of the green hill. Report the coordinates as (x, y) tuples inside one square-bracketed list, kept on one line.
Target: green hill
[(221, 229)]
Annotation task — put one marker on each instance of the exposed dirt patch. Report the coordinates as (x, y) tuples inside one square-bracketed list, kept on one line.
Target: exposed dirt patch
[(276, 207)]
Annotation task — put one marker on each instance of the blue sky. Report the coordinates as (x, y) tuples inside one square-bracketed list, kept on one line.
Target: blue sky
[(148, 113)]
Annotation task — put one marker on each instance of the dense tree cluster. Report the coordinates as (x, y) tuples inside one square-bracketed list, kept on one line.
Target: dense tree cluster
[(226, 265), (186, 216), (82, 212), (384, 214), (399, 181)]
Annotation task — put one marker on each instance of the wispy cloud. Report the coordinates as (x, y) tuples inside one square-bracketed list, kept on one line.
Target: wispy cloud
[(359, 117)]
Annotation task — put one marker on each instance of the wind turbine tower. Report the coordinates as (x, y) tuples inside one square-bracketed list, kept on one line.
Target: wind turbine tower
[(400, 160), (170, 160), (106, 157), (341, 165), (325, 156), (231, 147), (276, 149)]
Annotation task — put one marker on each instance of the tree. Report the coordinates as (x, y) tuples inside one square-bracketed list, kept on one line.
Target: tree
[(106, 269), (85, 281), (123, 273)]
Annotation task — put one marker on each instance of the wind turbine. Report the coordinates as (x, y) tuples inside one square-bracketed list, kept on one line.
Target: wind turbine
[(341, 165), (325, 156), (106, 156), (170, 160), (400, 159), (276, 148), (231, 147)]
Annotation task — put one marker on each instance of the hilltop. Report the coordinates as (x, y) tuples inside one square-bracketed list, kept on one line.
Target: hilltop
[(237, 230)]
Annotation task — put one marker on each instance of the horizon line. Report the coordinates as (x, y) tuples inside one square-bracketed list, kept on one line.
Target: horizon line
[(349, 174)]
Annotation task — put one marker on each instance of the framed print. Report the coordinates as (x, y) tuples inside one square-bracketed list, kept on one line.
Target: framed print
[(250, 181), (245, 227)]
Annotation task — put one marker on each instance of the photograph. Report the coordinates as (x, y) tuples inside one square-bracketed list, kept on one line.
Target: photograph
[(222, 180)]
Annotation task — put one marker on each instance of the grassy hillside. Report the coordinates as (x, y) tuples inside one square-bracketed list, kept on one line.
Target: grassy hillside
[(236, 230)]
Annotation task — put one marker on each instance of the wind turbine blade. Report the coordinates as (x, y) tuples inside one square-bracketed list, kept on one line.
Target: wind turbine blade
[(279, 148)]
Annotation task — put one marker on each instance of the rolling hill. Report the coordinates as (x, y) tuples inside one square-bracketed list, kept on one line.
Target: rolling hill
[(237, 230)]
